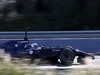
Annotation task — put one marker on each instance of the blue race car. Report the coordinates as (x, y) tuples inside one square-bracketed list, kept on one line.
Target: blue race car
[(22, 48)]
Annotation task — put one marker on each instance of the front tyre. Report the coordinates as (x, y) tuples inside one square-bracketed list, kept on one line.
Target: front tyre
[(67, 56)]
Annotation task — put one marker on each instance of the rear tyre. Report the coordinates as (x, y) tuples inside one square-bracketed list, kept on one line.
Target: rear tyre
[(67, 56), (31, 60)]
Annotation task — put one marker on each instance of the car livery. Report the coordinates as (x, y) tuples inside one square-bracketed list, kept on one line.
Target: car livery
[(22, 48)]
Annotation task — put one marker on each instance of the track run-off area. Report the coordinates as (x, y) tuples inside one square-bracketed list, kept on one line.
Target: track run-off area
[(95, 64)]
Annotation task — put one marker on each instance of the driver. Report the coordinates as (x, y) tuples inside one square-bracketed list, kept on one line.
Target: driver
[(34, 46)]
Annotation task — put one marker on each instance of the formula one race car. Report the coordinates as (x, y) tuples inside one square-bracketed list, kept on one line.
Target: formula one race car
[(66, 55), (19, 48)]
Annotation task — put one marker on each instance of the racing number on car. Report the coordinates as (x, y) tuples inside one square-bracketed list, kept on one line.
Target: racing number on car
[(16, 45), (30, 52)]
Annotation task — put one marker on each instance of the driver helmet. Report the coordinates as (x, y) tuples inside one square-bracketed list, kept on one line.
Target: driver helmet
[(34, 45)]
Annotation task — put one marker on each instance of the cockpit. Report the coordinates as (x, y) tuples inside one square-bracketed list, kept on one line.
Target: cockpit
[(34, 45)]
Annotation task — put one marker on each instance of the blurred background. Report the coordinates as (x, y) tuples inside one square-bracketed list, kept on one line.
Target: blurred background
[(49, 15)]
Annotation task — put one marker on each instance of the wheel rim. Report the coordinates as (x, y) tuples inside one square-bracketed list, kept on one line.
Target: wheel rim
[(67, 57)]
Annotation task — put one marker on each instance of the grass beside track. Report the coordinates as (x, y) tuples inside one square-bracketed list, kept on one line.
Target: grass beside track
[(15, 68)]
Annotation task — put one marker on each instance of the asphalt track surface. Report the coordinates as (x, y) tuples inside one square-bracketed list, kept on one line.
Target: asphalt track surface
[(92, 64), (95, 64)]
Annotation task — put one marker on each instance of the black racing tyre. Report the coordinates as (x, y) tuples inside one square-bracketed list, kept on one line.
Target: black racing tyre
[(32, 59), (67, 56)]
